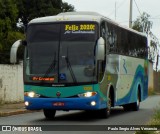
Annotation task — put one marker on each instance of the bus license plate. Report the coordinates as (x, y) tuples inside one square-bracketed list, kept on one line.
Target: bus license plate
[(58, 104)]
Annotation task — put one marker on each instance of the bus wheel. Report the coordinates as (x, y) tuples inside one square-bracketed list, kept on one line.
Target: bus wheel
[(105, 113), (136, 105), (49, 113), (127, 107)]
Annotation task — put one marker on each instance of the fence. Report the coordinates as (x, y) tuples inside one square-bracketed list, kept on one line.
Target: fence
[(11, 83)]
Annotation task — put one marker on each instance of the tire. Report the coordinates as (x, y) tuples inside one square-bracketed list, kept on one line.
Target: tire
[(49, 113), (136, 105), (105, 113), (127, 107), (133, 106)]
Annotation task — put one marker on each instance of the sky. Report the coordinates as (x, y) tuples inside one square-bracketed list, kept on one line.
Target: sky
[(118, 10)]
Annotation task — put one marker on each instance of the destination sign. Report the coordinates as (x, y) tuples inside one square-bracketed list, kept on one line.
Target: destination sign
[(42, 78), (79, 28), (74, 27)]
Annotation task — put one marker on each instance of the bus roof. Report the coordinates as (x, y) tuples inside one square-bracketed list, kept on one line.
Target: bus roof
[(80, 16), (70, 16)]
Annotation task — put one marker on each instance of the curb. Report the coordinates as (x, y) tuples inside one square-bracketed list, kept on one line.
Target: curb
[(16, 112)]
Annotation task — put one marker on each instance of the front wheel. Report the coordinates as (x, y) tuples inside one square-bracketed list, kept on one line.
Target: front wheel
[(49, 113), (105, 113)]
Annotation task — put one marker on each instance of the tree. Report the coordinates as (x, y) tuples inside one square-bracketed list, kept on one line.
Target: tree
[(8, 33), (143, 24), (67, 7), (30, 9), (8, 16), (13, 11)]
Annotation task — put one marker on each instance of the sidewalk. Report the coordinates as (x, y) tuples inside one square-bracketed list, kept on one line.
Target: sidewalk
[(13, 109)]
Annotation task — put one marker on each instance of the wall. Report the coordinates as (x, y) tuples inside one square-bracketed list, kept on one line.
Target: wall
[(150, 80), (11, 83), (154, 79), (157, 81)]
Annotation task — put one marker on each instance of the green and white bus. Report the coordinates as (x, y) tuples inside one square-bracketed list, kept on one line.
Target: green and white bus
[(82, 61)]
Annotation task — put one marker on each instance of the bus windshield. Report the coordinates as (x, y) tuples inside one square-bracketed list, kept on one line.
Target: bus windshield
[(61, 53)]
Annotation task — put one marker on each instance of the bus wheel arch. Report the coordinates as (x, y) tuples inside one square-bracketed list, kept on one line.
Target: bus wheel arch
[(105, 113), (136, 104), (140, 92), (110, 99), (111, 92)]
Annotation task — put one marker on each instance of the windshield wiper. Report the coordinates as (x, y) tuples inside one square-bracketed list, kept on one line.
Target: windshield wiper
[(70, 68), (51, 67)]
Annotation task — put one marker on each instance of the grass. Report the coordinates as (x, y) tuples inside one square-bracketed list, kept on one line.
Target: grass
[(156, 118), (155, 121)]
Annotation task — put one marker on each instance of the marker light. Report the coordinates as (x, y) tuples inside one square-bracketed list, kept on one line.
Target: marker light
[(93, 103), (26, 103)]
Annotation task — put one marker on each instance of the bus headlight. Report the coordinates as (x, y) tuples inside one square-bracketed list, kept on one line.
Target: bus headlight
[(87, 94), (31, 94)]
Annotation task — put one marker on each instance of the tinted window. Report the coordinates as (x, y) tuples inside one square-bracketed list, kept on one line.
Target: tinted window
[(61, 52), (43, 32), (125, 42)]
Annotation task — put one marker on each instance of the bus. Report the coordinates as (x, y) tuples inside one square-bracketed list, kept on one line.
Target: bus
[(82, 61)]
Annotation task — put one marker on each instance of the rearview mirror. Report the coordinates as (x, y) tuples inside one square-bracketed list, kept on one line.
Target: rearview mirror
[(13, 52), (24, 42), (100, 49)]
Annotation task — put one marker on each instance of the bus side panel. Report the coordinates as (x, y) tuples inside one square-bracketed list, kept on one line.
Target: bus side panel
[(126, 74), (132, 76)]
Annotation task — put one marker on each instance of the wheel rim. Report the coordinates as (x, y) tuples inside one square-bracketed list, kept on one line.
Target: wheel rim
[(138, 101), (109, 105)]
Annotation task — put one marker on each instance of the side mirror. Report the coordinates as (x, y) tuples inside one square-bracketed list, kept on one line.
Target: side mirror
[(13, 52), (100, 49), (24, 42)]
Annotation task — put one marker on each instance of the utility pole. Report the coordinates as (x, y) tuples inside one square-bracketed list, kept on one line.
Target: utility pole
[(130, 14), (157, 63), (115, 10)]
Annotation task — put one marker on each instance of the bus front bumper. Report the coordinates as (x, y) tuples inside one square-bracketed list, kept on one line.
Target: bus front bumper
[(88, 103)]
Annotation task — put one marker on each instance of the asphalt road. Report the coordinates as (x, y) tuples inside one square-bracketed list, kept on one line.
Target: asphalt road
[(118, 117)]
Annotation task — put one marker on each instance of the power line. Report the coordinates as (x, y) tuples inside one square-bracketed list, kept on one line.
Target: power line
[(137, 7), (121, 4), (117, 7), (154, 18), (125, 21)]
